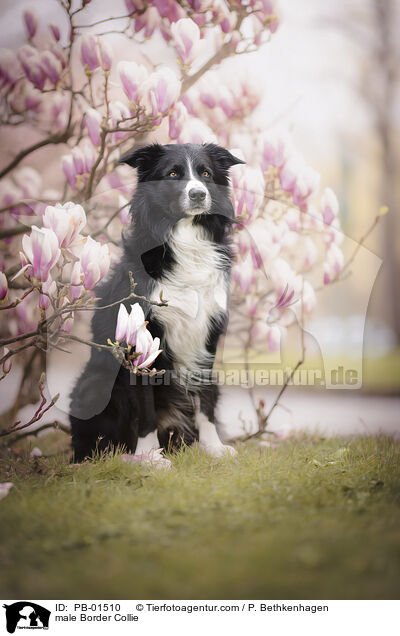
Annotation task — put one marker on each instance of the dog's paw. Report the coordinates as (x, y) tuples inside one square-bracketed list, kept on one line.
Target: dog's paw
[(153, 458), (218, 450)]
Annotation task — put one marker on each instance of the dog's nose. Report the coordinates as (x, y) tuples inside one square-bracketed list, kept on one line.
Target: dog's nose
[(197, 195)]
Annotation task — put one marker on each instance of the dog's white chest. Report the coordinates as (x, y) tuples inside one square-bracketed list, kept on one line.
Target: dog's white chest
[(196, 290)]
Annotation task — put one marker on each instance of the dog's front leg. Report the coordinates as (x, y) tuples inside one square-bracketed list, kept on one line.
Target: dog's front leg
[(209, 440), (146, 425)]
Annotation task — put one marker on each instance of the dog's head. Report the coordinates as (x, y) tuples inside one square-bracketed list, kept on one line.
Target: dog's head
[(183, 179)]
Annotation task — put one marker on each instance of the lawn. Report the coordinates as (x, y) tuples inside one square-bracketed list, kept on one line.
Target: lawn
[(312, 519)]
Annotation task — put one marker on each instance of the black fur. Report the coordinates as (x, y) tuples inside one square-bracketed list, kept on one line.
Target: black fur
[(107, 411)]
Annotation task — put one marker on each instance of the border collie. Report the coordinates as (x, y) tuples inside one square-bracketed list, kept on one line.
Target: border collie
[(179, 242)]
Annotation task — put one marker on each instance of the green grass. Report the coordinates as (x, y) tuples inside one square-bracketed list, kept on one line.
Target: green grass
[(310, 519)]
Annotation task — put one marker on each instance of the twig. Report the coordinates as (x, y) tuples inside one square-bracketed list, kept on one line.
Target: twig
[(40, 411), (56, 425)]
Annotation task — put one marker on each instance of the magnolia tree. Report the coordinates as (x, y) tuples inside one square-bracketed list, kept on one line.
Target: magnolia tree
[(89, 91)]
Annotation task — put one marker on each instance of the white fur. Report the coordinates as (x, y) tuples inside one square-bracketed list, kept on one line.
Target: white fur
[(147, 444), (209, 440), (196, 290), (193, 182)]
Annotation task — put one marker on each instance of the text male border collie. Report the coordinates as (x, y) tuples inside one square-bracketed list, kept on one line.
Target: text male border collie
[(179, 242)]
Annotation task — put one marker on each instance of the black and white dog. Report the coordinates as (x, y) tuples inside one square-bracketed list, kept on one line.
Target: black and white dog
[(179, 242)]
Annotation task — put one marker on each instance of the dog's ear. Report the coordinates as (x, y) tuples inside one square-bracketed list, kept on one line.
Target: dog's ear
[(222, 156), (143, 158)]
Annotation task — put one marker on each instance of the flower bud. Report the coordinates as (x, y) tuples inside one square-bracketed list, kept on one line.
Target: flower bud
[(89, 56), (3, 286), (31, 22)]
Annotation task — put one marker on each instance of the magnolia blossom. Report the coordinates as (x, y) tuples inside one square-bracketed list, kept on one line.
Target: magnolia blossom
[(79, 162), (300, 180), (186, 37), (329, 206), (147, 347), (41, 248), (93, 126), (51, 66), (243, 274), (195, 131), (55, 31), (118, 112), (3, 286), (89, 55), (30, 62), (106, 54), (160, 92), (132, 76), (95, 260), (309, 298), (31, 22), (148, 21), (48, 290), (66, 221), (176, 120), (128, 325), (10, 69), (76, 281), (276, 148), (333, 264)]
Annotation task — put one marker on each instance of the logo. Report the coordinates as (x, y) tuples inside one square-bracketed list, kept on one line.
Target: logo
[(26, 615)]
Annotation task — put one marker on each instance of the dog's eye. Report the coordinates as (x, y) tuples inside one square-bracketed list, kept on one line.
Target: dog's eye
[(173, 173), (205, 173)]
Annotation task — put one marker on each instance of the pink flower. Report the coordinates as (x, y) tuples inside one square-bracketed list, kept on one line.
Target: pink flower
[(95, 260), (30, 62), (76, 280), (169, 9), (93, 126), (334, 260), (132, 75), (55, 31), (149, 20), (148, 348), (134, 5), (79, 160), (68, 167), (29, 180), (49, 289), (10, 69), (3, 286), (309, 298), (122, 324), (89, 56), (31, 22), (186, 37), (160, 92), (66, 221), (118, 113), (274, 338), (176, 120), (128, 325), (276, 148), (300, 180), (51, 66), (329, 206), (243, 274), (106, 54), (42, 251)]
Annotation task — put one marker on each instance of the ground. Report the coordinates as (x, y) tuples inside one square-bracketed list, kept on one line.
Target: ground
[(311, 518)]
